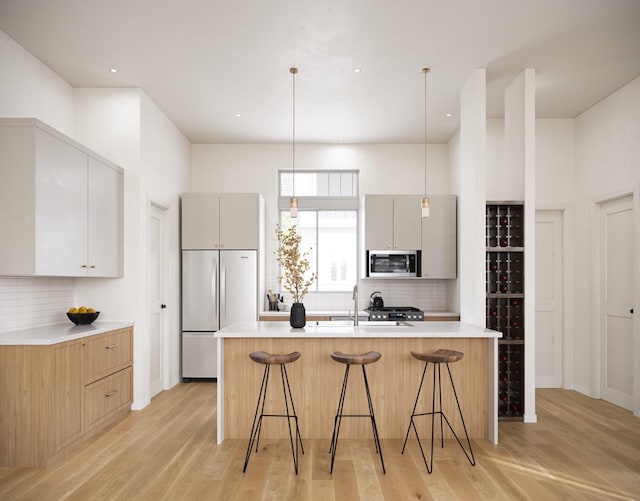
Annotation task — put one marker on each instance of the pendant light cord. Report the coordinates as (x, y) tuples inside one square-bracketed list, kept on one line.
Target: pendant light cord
[(293, 143), (425, 71)]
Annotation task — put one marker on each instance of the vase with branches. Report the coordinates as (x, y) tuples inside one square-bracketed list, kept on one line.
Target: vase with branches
[(294, 267)]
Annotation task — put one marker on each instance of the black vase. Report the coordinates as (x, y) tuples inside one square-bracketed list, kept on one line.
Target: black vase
[(298, 317)]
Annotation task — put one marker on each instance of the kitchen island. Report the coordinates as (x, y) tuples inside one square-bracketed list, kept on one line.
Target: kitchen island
[(316, 379)]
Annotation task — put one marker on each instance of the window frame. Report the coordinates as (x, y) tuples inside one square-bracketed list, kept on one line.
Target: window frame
[(324, 203)]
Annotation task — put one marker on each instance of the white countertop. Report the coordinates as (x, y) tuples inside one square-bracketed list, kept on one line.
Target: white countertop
[(361, 313), (365, 329), (58, 333)]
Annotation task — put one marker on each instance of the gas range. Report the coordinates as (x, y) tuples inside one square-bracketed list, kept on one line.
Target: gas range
[(395, 313)]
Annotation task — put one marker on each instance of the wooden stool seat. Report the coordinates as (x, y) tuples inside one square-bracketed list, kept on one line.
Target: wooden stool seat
[(439, 356), (262, 357), (362, 359)]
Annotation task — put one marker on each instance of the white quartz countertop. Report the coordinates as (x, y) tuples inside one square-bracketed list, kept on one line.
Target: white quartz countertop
[(58, 333), (365, 329)]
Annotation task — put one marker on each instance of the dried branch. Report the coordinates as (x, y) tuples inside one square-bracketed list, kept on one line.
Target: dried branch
[(293, 264)]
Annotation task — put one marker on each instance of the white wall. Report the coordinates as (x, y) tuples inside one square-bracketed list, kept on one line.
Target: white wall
[(607, 164), (166, 173), (384, 168), (124, 126), (30, 89), (472, 198)]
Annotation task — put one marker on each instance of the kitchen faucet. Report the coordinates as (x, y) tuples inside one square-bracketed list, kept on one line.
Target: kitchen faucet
[(355, 305)]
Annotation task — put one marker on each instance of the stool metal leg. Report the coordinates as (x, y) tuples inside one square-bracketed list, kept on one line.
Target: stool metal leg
[(266, 386), (413, 412), (338, 418), (376, 438), (254, 428), (471, 459), (440, 397), (294, 452), (293, 408)]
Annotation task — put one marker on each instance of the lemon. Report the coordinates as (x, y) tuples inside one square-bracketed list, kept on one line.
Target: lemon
[(82, 309), (90, 310), (73, 309)]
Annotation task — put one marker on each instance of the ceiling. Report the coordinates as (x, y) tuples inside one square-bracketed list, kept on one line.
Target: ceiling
[(204, 61)]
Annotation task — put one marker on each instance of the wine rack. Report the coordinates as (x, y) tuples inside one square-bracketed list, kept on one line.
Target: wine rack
[(505, 301)]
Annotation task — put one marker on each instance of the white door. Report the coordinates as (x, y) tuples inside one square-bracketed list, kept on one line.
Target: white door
[(616, 226), (157, 308), (549, 299)]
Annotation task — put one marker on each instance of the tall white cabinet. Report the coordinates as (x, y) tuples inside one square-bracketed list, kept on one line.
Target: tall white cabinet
[(61, 205)]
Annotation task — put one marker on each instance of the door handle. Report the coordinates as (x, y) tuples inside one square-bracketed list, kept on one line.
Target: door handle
[(631, 311)]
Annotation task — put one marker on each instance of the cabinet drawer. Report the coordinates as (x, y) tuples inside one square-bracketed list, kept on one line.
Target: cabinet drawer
[(107, 354), (107, 396)]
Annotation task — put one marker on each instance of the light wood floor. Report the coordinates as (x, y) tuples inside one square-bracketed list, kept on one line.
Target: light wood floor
[(579, 449)]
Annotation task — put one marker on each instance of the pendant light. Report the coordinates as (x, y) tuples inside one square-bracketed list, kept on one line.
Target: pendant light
[(426, 211), (293, 201)]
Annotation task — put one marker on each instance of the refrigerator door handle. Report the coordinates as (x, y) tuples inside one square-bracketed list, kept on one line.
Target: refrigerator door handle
[(214, 288), (223, 294)]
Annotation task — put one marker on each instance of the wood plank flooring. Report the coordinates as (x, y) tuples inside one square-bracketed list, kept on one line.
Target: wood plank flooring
[(580, 449)]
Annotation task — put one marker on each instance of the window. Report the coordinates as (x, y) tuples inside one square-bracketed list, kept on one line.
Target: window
[(328, 223)]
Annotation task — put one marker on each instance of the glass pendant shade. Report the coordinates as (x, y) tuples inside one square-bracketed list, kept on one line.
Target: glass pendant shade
[(426, 211), (293, 207)]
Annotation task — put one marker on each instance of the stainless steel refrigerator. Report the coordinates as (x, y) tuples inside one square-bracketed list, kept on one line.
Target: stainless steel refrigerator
[(218, 288)]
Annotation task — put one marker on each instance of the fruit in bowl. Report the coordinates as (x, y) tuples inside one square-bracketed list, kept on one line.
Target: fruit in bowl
[(82, 315)]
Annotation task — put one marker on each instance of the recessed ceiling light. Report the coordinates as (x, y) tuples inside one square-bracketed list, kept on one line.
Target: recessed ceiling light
[(113, 70), (357, 70), (238, 115), (448, 115), (341, 138)]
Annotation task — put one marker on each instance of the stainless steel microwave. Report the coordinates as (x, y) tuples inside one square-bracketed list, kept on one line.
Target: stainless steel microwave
[(393, 263)]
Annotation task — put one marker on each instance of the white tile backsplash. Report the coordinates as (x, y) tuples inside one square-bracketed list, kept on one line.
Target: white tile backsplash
[(428, 295), (33, 301)]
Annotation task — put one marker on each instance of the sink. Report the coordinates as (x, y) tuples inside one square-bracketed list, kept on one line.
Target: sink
[(362, 323)]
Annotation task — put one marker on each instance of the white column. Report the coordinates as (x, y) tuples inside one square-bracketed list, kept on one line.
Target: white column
[(520, 141), (472, 199)]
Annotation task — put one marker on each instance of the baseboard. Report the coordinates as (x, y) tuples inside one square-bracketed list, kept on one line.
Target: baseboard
[(530, 418), (581, 389), (138, 406)]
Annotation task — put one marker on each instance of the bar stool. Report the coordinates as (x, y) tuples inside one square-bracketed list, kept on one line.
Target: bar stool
[(349, 360), (438, 358), (268, 360)]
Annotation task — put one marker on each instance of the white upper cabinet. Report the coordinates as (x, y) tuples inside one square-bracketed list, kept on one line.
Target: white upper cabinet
[(239, 222), (200, 221), (61, 205), (221, 221), (392, 222), (439, 238), (105, 216)]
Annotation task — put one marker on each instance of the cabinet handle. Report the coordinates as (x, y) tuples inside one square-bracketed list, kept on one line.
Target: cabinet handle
[(396, 246), (92, 266), (389, 246), (109, 346), (83, 266), (111, 393)]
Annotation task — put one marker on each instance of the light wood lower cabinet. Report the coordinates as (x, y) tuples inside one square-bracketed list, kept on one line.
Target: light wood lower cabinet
[(107, 397), (55, 397)]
